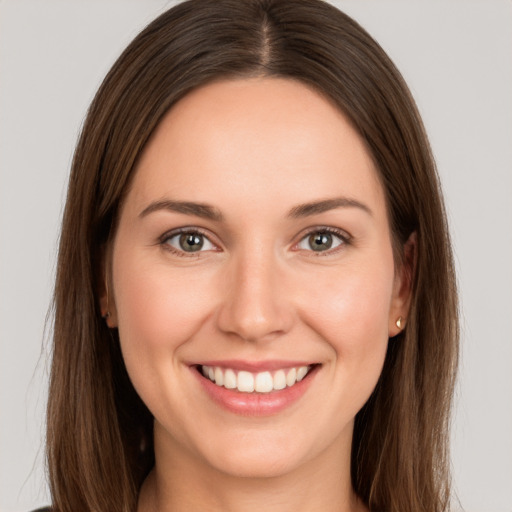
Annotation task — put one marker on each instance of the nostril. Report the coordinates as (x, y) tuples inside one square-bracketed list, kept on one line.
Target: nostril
[(254, 326), (254, 306)]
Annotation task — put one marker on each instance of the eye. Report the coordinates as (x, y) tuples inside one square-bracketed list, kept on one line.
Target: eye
[(188, 241), (322, 240)]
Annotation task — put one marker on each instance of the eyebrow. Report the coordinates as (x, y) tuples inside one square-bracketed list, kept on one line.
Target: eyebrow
[(209, 212), (202, 210), (314, 208)]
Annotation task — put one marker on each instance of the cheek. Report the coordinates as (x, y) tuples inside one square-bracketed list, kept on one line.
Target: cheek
[(349, 308), (157, 309), (353, 303)]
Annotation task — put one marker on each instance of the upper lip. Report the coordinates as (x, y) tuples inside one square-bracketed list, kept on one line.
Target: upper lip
[(254, 366)]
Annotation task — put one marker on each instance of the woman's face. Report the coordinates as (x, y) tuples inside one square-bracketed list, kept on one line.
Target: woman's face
[(254, 246)]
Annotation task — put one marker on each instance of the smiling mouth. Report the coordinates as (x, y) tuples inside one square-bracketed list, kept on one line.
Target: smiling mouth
[(260, 382)]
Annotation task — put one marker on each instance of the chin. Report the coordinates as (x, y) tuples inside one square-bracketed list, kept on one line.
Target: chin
[(264, 454), (264, 465)]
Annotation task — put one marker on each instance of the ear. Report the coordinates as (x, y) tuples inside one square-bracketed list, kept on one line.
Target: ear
[(105, 288), (402, 287)]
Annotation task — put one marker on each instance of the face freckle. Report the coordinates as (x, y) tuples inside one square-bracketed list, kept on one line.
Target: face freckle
[(255, 239)]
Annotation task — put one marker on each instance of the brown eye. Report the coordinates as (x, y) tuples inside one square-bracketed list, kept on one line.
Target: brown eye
[(189, 242), (322, 241)]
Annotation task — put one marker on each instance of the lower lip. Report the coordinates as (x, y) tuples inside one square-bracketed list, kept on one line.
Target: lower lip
[(256, 404)]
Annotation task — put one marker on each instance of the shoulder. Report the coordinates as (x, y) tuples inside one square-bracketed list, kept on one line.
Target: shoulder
[(44, 509)]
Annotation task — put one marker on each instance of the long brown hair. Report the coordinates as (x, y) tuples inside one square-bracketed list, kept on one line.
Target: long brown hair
[(99, 439)]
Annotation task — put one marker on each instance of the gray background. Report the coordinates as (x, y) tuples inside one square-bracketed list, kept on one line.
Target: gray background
[(457, 59)]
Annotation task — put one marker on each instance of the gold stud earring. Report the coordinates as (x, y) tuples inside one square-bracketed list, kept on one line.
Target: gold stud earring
[(399, 322)]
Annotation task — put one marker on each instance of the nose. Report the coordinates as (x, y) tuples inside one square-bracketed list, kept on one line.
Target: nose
[(255, 306)]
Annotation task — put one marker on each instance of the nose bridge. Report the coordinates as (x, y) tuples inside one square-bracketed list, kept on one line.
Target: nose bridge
[(254, 306)]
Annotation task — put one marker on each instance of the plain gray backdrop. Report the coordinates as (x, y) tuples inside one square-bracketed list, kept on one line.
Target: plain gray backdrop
[(457, 58)]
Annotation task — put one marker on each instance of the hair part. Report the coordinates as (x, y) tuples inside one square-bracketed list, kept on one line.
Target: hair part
[(99, 438)]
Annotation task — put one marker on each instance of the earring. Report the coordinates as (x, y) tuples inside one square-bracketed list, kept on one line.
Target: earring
[(106, 315), (399, 322)]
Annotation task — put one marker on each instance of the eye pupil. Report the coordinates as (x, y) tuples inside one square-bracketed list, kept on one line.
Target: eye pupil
[(191, 242), (320, 241)]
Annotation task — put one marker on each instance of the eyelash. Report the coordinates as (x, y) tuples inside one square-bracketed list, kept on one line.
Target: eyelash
[(344, 237), (164, 239)]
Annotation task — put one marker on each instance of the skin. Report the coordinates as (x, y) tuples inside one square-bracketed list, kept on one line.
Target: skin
[(254, 150)]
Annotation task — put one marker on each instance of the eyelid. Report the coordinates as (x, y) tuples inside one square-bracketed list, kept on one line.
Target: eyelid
[(345, 237), (186, 229)]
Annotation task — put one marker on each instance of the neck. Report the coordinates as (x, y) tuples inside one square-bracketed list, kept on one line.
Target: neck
[(181, 483)]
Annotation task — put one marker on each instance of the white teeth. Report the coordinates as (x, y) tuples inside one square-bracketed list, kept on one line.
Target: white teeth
[(279, 380), (301, 373), (291, 377), (247, 382), (230, 379), (264, 383), (219, 377)]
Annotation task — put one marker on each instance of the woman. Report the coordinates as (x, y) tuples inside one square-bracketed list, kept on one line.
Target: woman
[(255, 301)]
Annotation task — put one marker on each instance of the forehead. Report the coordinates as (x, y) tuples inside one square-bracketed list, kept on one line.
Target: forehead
[(255, 138)]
